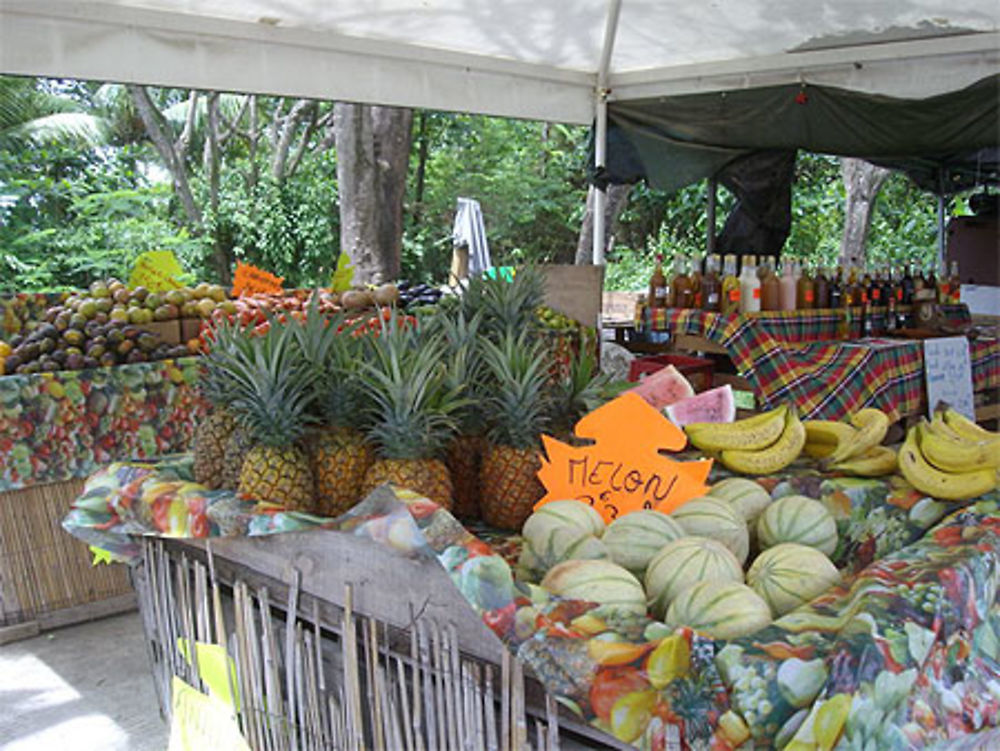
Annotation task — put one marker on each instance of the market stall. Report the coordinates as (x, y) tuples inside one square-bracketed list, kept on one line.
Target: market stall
[(810, 357)]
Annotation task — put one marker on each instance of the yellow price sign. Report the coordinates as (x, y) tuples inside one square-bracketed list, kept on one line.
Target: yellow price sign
[(157, 271), (343, 277), (199, 722)]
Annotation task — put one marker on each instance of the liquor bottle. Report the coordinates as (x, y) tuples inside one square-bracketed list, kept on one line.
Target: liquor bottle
[(874, 286), (867, 320), (749, 286), (711, 285), (931, 282), (943, 284), (729, 300), (657, 297), (694, 274), (954, 284), (770, 289), (891, 320), (683, 295), (805, 292), (867, 283), (907, 283), (822, 287), (919, 282), (835, 290), (786, 288)]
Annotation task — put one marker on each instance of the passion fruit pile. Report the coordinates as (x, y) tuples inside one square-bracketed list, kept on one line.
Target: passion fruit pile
[(46, 348)]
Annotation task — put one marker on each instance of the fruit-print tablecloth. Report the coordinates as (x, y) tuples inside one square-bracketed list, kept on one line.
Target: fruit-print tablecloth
[(64, 425), (788, 356), (906, 653)]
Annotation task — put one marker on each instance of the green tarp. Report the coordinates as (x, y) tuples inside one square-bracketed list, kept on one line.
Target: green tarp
[(675, 141)]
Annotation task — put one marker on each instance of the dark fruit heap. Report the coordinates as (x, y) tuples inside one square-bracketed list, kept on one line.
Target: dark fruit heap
[(417, 295)]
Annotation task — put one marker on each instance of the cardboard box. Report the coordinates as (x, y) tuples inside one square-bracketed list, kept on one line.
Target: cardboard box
[(190, 329), (168, 331), (575, 291)]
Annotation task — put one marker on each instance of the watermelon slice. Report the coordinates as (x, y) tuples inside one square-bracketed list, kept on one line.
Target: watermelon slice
[(714, 405), (664, 387)]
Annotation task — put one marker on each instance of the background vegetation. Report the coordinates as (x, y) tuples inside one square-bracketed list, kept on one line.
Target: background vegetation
[(83, 192)]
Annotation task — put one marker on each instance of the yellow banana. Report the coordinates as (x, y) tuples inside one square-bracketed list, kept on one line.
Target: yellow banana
[(775, 457), (752, 433), (872, 425), (938, 425), (948, 486), (964, 426), (823, 436), (956, 454), (875, 462)]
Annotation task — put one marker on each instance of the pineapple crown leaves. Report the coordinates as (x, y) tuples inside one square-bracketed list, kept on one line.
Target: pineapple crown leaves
[(506, 307), (515, 389), (584, 389), (217, 380), (465, 364), (412, 404), (272, 391)]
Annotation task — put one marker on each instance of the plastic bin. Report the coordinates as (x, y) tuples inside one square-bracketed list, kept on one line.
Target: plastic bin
[(698, 370)]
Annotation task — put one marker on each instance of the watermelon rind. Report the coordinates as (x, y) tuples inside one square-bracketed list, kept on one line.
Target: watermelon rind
[(714, 405), (684, 562), (720, 610)]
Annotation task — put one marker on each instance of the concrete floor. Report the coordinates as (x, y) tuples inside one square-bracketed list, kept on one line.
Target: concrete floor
[(85, 688)]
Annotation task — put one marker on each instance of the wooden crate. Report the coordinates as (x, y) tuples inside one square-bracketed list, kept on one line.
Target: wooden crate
[(46, 576)]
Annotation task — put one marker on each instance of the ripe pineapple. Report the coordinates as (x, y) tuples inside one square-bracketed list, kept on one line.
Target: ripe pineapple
[(505, 307), (213, 434), (518, 410), (412, 411), (238, 445), (272, 396), (583, 389)]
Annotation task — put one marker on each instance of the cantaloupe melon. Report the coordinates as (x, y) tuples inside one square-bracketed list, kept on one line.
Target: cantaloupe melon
[(711, 517), (550, 541), (788, 575), (719, 610), (632, 540), (684, 562), (603, 582), (797, 518), (745, 495), (576, 513)]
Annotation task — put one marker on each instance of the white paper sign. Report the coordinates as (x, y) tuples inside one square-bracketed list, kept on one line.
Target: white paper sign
[(948, 374)]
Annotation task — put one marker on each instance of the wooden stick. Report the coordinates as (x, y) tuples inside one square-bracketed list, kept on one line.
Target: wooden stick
[(505, 730), (489, 711), (291, 676), (404, 704), (552, 720)]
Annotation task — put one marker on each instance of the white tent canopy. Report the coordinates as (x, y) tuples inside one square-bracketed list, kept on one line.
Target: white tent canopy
[(538, 59)]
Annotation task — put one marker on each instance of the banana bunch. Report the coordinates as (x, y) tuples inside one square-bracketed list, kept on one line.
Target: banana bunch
[(950, 457), (852, 447), (758, 445)]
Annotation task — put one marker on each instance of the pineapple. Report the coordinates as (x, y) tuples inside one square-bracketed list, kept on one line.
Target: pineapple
[(339, 452), (272, 393), (237, 447), (584, 389), (412, 411), (213, 434), (505, 307), (518, 408)]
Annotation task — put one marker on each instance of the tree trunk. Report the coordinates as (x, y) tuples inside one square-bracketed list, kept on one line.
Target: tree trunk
[(862, 183), (421, 176), (616, 202), (373, 151)]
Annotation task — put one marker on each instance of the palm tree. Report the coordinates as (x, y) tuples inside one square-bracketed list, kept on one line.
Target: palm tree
[(34, 113)]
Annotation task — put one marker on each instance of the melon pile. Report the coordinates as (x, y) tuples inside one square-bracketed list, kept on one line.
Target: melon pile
[(694, 567)]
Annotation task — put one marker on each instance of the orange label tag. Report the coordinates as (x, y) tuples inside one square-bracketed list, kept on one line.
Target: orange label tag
[(734, 295), (876, 295), (622, 471), (249, 280), (756, 293)]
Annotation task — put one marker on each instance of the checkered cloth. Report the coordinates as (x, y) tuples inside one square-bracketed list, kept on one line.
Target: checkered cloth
[(788, 356)]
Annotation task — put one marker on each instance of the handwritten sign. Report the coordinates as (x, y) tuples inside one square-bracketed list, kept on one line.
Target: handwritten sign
[(343, 278), (157, 271), (948, 374), (249, 280), (199, 722), (622, 470)]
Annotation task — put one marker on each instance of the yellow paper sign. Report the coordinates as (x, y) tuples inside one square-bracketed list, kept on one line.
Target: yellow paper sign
[(101, 556), (157, 271), (213, 665), (622, 470), (343, 277), (200, 722), (249, 280)]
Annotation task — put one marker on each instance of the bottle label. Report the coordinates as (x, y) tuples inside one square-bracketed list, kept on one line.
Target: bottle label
[(876, 295), (756, 293), (899, 294), (810, 296), (734, 295), (864, 297), (713, 298)]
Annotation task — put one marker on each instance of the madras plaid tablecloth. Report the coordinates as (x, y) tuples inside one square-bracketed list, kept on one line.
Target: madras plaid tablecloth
[(787, 358)]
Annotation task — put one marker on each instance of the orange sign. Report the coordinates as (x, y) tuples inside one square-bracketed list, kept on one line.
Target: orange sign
[(249, 280), (622, 470)]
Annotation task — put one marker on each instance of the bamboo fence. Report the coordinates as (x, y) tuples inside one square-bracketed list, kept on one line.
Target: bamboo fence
[(337, 679), (43, 569)]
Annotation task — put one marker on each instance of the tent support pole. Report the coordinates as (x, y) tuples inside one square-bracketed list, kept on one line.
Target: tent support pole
[(710, 218), (601, 128)]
